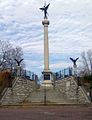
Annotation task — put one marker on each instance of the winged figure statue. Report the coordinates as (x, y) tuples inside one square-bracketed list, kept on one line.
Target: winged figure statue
[(45, 8)]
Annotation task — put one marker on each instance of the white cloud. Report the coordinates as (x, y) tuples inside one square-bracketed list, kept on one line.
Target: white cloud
[(60, 65)]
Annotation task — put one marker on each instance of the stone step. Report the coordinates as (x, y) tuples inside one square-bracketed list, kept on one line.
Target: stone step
[(51, 95), (23, 91)]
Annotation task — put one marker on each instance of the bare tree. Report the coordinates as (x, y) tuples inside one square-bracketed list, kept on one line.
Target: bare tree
[(8, 54), (89, 54), (4, 47), (18, 55), (87, 61)]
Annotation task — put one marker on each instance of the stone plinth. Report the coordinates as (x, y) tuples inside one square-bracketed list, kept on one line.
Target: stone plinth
[(75, 70), (47, 78), (18, 71)]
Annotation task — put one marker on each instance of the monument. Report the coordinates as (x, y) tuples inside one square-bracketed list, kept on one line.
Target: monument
[(47, 74)]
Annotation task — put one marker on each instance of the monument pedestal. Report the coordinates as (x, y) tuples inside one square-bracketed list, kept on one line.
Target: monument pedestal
[(18, 71), (75, 70), (47, 78)]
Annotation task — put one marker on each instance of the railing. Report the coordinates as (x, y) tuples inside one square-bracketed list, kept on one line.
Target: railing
[(64, 73), (29, 75), (26, 74)]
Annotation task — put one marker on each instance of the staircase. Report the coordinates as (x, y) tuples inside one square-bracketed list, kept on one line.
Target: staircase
[(63, 91), (47, 95)]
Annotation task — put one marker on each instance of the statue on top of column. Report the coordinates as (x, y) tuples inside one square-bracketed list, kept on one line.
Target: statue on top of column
[(45, 8)]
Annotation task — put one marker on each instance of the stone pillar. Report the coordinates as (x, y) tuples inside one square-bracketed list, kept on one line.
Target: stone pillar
[(75, 70), (45, 22), (18, 71), (47, 74)]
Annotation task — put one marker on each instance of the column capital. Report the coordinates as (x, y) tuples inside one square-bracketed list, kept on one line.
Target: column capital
[(45, 22)]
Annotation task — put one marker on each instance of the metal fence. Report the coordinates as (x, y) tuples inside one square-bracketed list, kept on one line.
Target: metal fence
[(26, 74), (64, 73)]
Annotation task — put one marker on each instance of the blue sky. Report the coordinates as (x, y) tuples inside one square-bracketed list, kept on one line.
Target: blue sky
[(70, 30)]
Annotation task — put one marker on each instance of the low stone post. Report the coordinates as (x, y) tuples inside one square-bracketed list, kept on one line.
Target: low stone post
[(75, 70), (18, 71)]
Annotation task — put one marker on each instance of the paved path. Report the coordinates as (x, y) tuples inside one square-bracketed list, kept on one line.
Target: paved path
[(47, 113)]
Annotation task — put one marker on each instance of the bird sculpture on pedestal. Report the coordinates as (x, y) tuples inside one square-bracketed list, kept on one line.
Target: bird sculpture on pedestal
[(74, 60), (18, 61)]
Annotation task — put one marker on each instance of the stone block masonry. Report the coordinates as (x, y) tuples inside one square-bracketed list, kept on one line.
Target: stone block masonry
[(69, 88), (20, 90), (65, 91)]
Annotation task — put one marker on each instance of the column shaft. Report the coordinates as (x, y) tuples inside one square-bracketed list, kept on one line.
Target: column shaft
[(46, 48)]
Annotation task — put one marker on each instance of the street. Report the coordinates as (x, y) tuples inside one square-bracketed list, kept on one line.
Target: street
[(47, 113)]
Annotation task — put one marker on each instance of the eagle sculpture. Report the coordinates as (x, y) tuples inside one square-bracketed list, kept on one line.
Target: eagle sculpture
[(74, 60), (18, 61)]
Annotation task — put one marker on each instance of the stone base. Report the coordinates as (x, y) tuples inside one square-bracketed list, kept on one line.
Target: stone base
[(47, 83), (47, 78)]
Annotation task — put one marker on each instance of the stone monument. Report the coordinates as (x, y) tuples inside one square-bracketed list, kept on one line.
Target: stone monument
[(47, 74)]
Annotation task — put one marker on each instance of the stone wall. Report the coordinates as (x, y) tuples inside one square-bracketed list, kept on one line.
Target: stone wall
[(69, 88), (20, 90)]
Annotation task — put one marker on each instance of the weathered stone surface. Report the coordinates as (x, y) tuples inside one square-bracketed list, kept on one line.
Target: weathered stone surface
[(69, 88), (18, 93), (64, 91)]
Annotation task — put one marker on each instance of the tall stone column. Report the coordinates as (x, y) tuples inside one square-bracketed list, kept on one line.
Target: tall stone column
[(47, 74), (45, 22)]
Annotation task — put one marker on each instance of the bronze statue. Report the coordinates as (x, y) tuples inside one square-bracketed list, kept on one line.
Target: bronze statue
[(45, 8), (74, 60), (18, 62)]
